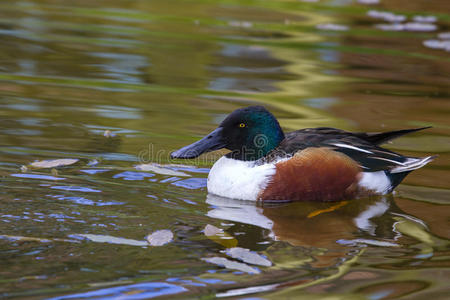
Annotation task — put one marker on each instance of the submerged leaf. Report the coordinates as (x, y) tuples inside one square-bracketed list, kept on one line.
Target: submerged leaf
[(211, 230), (53, 163), (160, 237), (112, 240), (158, 169), (218, 236), (248, 256), (233, 265)]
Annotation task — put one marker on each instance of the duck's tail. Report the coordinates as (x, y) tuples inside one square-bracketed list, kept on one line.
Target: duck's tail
[(397, 174), (379, 138), (412, 163)]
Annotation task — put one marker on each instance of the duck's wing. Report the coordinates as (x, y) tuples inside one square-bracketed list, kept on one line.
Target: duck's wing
[(370, 157), (309, 137), (314, 135), (359, 147)]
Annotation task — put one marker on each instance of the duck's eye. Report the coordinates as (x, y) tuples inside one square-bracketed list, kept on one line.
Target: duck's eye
[(242, 125)]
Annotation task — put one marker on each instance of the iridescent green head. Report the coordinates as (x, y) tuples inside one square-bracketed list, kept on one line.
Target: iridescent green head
[(250, 133)]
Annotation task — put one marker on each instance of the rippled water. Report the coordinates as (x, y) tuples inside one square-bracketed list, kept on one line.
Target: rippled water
[(118, 84)]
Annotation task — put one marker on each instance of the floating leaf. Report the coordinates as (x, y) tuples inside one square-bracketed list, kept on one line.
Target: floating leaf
[(211, 230), (112, 240), (93, 162), (437, 44), (411, 26), (53, 163), (35, 239), (158, 169), (332, 27), (425, 19), (248, 256), (229, 264), (370, 2), (244, 24), (387, 16), (444, 35), (108, 134), (218, 236), (160, 237)]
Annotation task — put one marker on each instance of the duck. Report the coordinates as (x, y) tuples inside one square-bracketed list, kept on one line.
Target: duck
[(313, 164)]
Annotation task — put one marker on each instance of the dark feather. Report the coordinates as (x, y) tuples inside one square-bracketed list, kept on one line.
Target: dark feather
[(379, 138), (361, 147)]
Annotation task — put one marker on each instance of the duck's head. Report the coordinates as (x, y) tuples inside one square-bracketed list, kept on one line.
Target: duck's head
[(250, 133)]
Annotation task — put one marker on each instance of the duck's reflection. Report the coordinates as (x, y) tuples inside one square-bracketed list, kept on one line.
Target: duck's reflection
[(328, 226)]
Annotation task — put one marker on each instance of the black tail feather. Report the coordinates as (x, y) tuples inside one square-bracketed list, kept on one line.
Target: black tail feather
[(396, 178), (397, 174), (378, 138)]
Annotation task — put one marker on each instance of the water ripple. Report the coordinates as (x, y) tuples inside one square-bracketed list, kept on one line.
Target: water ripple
[(37, 176), (72, 188), (191, 183), (134, 291), (130, 175)]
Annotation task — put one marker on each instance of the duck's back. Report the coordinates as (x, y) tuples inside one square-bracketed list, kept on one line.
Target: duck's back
[(327, 164), (363, 148)]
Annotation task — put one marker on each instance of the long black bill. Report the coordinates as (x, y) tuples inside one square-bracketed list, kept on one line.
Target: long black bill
[(211, 142)]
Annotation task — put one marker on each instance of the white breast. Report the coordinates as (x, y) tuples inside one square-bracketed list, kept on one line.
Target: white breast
[(238, 179)]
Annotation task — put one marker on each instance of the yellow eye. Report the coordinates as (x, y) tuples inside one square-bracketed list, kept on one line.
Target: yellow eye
[(242, 125)]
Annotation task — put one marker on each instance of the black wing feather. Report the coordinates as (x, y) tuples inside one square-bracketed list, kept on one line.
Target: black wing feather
[(379, 138), (361, 147)]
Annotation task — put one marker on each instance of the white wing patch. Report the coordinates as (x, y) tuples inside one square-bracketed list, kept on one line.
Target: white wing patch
[(389, 160), (352, 147)]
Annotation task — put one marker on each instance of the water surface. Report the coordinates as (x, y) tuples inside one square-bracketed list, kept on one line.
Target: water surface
[(117, 84)]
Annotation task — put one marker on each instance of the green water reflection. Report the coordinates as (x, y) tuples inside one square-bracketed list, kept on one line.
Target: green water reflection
[(120, 83)]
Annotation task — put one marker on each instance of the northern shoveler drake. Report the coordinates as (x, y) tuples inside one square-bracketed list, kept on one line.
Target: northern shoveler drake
[(312, 164)]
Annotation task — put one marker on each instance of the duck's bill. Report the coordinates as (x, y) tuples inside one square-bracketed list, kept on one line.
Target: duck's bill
[(211, 142)]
